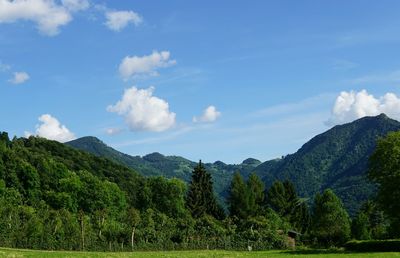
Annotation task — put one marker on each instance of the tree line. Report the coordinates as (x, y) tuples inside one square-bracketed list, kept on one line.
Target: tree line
[(55, 197)]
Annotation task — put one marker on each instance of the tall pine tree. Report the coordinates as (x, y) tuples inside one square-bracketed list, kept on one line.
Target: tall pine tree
[(256, 189), (238, 197), (282, 198), (246, 200), (200, 199)]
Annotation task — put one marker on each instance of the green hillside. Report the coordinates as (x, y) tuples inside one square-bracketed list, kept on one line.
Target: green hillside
[(335, 159), (156, 164)]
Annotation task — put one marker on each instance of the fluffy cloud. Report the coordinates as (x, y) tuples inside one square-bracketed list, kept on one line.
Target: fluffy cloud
[(47, 14), (118, 20), (19, 77), (210, 114), (132, 66), (143, 111), (50, 128), (76, 5), (352, 105)]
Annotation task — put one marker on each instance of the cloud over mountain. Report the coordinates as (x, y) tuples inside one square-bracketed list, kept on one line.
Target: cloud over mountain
[(352, 105), (50, 128)]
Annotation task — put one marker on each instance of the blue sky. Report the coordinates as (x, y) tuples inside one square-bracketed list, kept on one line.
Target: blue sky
[(211, 80)]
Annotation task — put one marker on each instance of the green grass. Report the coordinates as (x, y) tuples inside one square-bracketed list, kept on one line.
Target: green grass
[(6, 252)]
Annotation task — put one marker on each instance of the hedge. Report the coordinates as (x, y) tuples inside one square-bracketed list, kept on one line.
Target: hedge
[(373, 246)]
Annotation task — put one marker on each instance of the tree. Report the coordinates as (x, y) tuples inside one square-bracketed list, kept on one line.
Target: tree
[(256, 195), (360, 227), (245, 199), (331, 224), (133, 220), (370, 223), (384, 169), (200, 199), (238, 200), (282, 198), (168, 195)]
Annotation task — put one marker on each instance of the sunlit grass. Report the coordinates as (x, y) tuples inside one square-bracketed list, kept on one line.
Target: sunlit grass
[(5, 252)]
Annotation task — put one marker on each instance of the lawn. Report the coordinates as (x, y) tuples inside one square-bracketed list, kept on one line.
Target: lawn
[(5, 252)]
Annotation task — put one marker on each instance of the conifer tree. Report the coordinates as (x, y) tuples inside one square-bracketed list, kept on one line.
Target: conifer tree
[(282, 198), (200, 199), (256, 195), (238, 197)]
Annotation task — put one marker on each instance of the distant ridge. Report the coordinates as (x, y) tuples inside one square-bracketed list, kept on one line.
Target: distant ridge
[(156, 164), (335, 159)]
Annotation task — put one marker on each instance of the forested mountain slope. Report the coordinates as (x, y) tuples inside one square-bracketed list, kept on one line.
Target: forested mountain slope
[(156, 164), (335, 159)]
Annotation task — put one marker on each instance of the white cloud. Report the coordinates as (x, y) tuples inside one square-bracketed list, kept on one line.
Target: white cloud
[(76, 5), (113, 131), (48, 15), (143, 111), (132, 66), (50, 128), (19, 77), (353, 105), (210, 114), (118, 20)]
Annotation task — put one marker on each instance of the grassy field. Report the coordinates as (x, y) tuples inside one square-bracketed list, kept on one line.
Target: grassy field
[(5, 252)]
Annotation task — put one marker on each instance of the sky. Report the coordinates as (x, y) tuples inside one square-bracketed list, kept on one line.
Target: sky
[(211, 80)]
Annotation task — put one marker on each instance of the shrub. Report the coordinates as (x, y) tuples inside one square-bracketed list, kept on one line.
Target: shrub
[(374, 246)]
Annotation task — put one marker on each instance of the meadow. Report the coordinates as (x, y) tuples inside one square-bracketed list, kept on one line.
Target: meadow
[(7, 252)]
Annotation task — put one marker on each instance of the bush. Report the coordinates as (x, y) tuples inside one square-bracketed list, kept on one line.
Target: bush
[(373, 246)]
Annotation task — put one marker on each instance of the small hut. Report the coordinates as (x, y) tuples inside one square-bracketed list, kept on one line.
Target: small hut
[(291, 238)]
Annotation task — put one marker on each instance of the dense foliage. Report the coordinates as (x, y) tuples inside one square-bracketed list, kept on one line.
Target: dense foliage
[(370, 223), (374, 246), (55, 197), (330, 222), (384, 169), (156, 164), (282, 198)]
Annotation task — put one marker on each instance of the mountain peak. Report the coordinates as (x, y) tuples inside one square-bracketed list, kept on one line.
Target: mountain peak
[(251, 161), (383, 116), (155, 156), (88, 139)]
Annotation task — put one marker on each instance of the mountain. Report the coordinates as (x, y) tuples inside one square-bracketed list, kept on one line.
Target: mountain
[(335, 159), (156, 164)]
